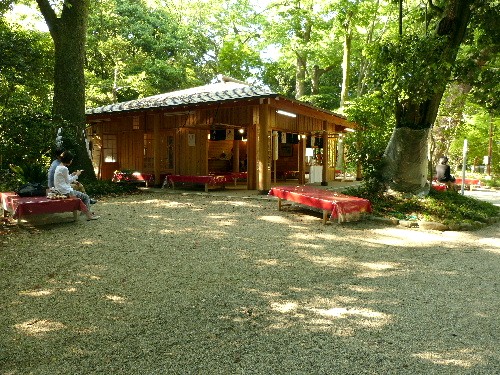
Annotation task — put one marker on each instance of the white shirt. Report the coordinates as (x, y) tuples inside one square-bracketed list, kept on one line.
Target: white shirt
[(63, 180)]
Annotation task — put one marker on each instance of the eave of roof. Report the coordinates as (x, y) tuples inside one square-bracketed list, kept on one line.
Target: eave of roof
[(218, 92), (212, 93)]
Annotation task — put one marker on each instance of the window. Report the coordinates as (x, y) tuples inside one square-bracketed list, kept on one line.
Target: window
[(109, 148)]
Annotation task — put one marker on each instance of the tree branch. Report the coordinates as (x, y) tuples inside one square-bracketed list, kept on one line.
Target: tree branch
[(48, 14), (435, 8)]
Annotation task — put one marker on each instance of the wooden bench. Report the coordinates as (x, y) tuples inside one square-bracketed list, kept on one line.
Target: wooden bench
[(19, 207), (469, 183), (210, 180), (336, 205)]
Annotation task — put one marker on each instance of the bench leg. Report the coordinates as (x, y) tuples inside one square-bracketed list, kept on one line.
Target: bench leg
[(206, 188), (325, 216), (279, 204), (75, 215)]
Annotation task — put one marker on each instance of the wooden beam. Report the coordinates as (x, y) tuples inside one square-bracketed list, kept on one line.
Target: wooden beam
[(263, 138), (324, 181)]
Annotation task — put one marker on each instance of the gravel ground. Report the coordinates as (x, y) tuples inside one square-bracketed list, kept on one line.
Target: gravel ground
[(194, 283)]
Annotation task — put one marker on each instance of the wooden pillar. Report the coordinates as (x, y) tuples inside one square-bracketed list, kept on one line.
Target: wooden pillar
[(156, 148), (302, 160), (252, 154), (263, 140), (236, 156), (325, 158)]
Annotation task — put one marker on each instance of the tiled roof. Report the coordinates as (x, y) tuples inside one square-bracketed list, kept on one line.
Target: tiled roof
[(217, 92)]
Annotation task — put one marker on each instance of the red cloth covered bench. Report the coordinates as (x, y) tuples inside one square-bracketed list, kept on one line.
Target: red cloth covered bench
[(132, 177), (439, 186), (470, 182), (210, 180), (21, 206), (339, 206), (239, 176)]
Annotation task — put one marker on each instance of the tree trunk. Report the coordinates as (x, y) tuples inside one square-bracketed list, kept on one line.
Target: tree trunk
[(317, 72), (300, 78), (346, 63), (68, 32), (403, 169)]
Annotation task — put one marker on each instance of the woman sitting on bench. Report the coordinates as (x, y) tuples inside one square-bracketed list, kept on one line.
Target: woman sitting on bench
[(443, 173), (63, 180)]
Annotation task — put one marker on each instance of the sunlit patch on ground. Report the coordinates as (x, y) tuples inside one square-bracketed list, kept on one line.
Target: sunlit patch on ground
[(492, 243), (284, 307), (36, 293), (235, 203), (153, 216), (325, 260), (115, 299), (171, 204), (89, 276), (275, 219), (226, 216), (342, 312), (379, 269), (267, 262), (361, 289), (460, 357), (401, 237), (227, 223), (39, 326), (325, 318)]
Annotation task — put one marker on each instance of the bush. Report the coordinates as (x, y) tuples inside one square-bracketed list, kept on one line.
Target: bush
[(97, 189), (36, 173), (447, 207)]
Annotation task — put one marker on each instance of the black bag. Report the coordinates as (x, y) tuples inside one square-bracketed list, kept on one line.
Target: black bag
[(31, 189)]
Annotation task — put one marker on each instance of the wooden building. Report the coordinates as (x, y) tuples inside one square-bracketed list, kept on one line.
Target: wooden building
[(223, 127)]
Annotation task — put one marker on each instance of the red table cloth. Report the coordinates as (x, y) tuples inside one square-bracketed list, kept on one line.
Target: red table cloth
[(468, 181), (21, 206), (340, 206), (132, 177), (439, 186)]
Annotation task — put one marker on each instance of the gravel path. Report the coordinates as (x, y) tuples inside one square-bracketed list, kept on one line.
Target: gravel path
[(195, 283)]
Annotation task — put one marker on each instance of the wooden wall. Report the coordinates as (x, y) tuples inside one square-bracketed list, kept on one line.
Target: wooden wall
[(136, 142), (191, 152)]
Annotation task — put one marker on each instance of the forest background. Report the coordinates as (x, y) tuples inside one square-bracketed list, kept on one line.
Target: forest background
[(378, 62)]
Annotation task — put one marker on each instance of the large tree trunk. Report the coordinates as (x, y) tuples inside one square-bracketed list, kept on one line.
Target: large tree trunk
[(300, 77), (406, 154), (346, 63), (68, 32)]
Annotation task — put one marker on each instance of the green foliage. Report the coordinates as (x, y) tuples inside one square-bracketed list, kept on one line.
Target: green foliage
[(479, 58), (477, 132), (493, 182), (35, 173), (26, 139), (136, 51), (409, 68), (367, 145), (26, 71), (9, 181), (98, 189), (446, 207)]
